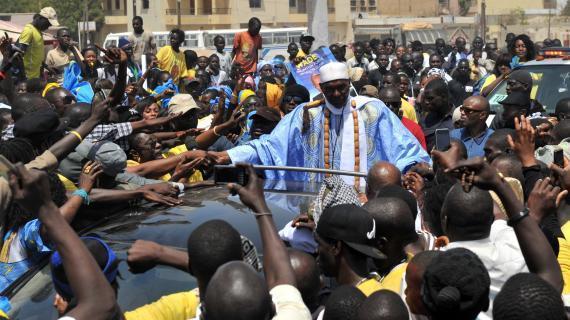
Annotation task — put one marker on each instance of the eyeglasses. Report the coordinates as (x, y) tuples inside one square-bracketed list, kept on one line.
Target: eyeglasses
[(468, 111), (288, 99)]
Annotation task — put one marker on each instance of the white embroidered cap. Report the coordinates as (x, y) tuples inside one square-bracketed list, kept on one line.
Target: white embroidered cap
[(334, 71)]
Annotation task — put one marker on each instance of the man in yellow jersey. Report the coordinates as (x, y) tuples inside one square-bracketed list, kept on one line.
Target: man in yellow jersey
[(31, 41), (346, 235), (171, 58)]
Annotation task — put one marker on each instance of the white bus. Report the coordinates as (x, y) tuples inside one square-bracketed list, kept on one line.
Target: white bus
[(275, 41)]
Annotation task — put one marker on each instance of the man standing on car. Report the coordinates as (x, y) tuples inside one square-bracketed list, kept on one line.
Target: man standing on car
[(142, 41), (340, 132), (247, 45), (31, 41)]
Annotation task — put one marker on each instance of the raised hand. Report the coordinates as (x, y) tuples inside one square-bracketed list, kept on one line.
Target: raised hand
[(30, 188), (475, 171), (304, 221), (523, 144), (252, 194), (184, 170), (544, 199), (447, 159), (91, 171)]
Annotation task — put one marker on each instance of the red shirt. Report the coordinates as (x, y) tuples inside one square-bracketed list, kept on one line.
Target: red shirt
[(416, 130), (245, 48)]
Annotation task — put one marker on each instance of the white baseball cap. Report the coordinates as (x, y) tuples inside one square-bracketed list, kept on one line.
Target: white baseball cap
[(50, 14)]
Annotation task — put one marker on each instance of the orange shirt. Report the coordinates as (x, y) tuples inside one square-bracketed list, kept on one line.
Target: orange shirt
[(246, 49)]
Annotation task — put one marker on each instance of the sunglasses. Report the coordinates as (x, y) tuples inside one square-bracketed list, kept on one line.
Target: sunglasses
[(468, 111), (288, 99)]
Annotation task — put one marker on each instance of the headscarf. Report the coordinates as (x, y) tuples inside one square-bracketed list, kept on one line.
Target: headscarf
[(214, 102), (244, 94), (73, 81), (297, 90), (273, 93), (261, 64), (334, 191), (167, 85), (356, 73), (49, 86)]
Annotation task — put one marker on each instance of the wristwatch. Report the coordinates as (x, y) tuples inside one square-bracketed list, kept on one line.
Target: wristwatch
[(518, 217)]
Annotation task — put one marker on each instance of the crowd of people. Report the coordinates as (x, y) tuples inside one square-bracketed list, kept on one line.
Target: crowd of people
[(474, 230)]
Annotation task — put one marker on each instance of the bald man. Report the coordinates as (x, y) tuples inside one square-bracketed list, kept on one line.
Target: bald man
[(473, 131), (308, 277), (380, 175)]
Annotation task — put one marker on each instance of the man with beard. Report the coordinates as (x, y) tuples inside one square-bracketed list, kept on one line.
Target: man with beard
[(462, 86), (474, 132), (438, 110)]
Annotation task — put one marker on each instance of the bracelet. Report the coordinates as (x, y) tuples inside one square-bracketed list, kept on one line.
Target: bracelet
[(215, 133), (257, 215), (83, 194), (75, 133), (516, 219)]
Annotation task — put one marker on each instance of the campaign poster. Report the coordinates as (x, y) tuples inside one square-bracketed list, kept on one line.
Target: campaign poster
[(306, 71)]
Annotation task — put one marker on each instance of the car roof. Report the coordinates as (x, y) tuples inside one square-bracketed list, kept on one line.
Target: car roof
[(546, 61), (32, 298)]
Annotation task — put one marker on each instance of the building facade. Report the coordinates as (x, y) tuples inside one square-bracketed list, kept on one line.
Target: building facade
[(162, 15)]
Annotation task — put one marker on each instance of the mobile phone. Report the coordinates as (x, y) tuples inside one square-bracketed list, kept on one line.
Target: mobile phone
[(442, 139), (559, 157), (230, 174), (5, 167)]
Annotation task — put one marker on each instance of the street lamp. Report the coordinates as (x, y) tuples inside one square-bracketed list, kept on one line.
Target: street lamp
[(178, 12)]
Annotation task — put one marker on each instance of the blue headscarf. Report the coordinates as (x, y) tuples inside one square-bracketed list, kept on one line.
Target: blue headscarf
[(167, 85), (73, 81), (214, 102)]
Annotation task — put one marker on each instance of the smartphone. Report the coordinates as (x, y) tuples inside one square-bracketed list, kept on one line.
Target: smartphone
[(5, 167), (230, 174), (442, 139), (559, 157)]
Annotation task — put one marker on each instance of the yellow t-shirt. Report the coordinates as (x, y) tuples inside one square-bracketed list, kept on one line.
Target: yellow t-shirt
[(393, 280), (173, 62), (34, 55), (488, 81), (133, 163), (369, 286), (409, 111), (180, 305), (197, 175), (68, 184), (564, 257)]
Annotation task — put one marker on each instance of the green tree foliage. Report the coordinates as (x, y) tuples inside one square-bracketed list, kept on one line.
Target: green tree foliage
[(69, 12)]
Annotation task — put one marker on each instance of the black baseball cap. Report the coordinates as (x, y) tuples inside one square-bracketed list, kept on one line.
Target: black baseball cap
[(307, 37), (521, 76), (268, 114), (517, 98), (352, 225)]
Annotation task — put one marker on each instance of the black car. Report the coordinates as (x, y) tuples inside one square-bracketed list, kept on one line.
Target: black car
[(32, 296)]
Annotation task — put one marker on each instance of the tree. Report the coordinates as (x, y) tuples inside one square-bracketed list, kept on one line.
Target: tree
[(69, 12), (566, 9)]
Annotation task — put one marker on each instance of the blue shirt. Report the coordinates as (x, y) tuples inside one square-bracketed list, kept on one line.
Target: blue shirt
[(474, 145)]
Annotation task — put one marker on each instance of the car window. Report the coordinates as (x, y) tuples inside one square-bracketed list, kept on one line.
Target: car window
[(550, 84)]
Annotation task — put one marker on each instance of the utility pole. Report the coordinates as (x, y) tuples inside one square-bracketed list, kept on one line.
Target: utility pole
[(178, 12), (549, 17), (483, 20)]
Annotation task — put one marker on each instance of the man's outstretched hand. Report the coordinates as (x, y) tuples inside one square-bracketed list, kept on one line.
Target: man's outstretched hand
[(251, 194)]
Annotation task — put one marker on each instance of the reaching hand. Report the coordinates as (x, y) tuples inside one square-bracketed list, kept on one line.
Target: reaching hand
[(304, 221), (157, 198), (116, 56), (184, 170), (523, 144), (475, 171), (91, 171), (561, 174), (219, 157), (449, 158), (414, 182), (236, 118), (163, 120), (162, 188), (143, 256), (5, 46), (544, 199), (30, 188), (252, 194), (100, 111)]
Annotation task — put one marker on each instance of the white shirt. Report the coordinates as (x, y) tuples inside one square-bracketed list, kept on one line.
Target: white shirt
[(501, 255), (352, 63), (215, 80), (225, 61)]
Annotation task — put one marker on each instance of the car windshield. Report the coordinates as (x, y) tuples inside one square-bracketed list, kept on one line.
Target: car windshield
[(167, 226), (550, 84)]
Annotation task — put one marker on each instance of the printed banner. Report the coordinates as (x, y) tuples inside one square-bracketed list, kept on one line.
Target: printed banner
[(306, 72)]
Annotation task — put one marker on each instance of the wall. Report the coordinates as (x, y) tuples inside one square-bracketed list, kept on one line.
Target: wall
[(408, 8)]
